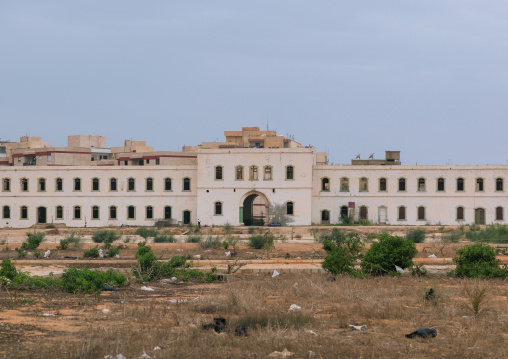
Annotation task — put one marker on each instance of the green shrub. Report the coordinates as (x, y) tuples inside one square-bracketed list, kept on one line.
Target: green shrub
[(21, 253), (92, 253), (390, 251), (416, 235), (145, 232), (37, 254), (342, 252), (64, 244), (164, 238), (227, 228), (8, 270), (90, 281), (193, 239), (251, 230), (74, 240), (265, 241), (454, 235), (364, 222), (258, 222), (107, 237), (478, 261), (211, 242), (113, 251), (33, 241), (496, 233), (149, 268), (346, 221), (25, 280), (225, 244)]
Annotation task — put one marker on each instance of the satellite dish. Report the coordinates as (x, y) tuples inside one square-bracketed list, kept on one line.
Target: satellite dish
[(371, 156), (358, 157)]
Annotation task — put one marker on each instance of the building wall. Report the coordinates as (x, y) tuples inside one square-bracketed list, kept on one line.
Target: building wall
[(440, 206), (232, 192), (178, 199)]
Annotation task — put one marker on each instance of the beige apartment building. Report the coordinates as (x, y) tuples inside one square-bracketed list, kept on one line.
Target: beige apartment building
[(237, 181)]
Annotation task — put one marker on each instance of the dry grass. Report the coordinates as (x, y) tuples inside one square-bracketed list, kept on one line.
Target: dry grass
[(390, 307)]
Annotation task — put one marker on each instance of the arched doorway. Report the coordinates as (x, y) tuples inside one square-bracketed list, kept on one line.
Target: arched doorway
[(479, 216), (382, 215), (41, 215), (344, 212), (254, 210), (186, 217)]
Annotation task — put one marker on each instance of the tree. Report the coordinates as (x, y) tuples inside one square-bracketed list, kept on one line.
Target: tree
[(342, 252), (390, 251), (278, 213)]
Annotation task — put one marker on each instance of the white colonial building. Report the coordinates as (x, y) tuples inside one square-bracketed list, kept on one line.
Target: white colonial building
[(237, 182)]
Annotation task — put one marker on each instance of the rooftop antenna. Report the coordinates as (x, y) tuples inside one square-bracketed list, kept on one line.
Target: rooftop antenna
[(358, 157), (267, 128), (371, 156)]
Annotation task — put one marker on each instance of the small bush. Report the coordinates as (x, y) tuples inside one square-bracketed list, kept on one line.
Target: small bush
[(64, 244), (416, 235), (478, 261), (37, 254), (113, 251), (33, 241), (21, 253), (8, 270), (496, 233), (193, 239), (90, 281), (211, 242), (145, 232), (164, 238), (251, 230), (91, 253), (225, 244), (346, 221), (342, 252), (227, 228), (264, 241), (364, 222), (107, 237), (74, 240), (390, 251), (454, 235)]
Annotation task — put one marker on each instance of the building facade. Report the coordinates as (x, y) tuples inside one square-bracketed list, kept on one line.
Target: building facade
[(238, 181)]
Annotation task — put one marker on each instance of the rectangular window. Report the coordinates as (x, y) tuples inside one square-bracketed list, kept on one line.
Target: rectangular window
[(95, 184), (218, 208), (6, 212), (289, 208), (24, 212), (382, 185), (218, 173), (59, 185), (268, 173), (421, 213), (149, 184), (167, 212), (112, 185), (131, 184), (239, 173), (6, 185), (167, 184), (149, 212), (131, 212), (112, 212), (402, 213), (24, 185), (77, 184), (77, 212), (253, 173), (290, 173), (59, 212), (95, 212)]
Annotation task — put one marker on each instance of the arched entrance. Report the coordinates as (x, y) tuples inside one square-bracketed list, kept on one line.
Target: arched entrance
[(344, 212), (41, 215), (254, 209)]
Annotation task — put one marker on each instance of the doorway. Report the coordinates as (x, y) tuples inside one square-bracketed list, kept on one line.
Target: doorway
[(254, 211), (41, 215), (186, 217), (479, 216)]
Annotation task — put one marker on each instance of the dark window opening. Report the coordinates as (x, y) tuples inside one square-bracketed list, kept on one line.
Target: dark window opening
[(95, 212), (112, 212), (218, 208), (77, 212), (460, 184), (218, 172), (6, 185), (167, 212), (290, 172), (421, 184), (325, 216), (112, 184), (479, 185), (364, 213), (402, 184), (460, 213), (440, 184), (59, 212), (77, 184), (131, 184), (325, 184), (382, 184), (167, 184), (24, 212), (499, 214), (289, 208), (421, 213), (95, 184), (186, 184), (149, 184), (42, 184), (6, 212), (149, 212), (131, 212), (59, 184), (24, 184), (402, 213), (499, 184)]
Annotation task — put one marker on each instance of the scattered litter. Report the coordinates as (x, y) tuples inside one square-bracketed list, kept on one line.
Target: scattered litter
[(101, 254), (145, 356), (117, 256), (295, 307), (219, 326), (358, 327), (332, 278), (174, 301), (169, 280), (197, 256), (430, 295), (174, 279), (179, 250), (283, 354), (106, 311), (275, 273), (47, 253), (311, 332), (432, 256), (147, 288), (295, 285), (423, 332), (208, 250), (48, 315), (157, 348), (228, 253), (399, 270), (118, 356), (241, 330), (108, 288), (69, 257), (29, 253), (311, 353)]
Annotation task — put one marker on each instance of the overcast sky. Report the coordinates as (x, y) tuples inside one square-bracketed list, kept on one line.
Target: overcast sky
[(428, 78)]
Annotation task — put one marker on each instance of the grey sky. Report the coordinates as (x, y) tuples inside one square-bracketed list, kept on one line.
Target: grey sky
[(429, 78)]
